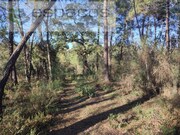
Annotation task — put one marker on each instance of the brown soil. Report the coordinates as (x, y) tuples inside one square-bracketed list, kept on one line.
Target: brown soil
[(80, 115)]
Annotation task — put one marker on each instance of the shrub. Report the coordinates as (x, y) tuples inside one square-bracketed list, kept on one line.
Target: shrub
[(29, 110), (168, 130), (107, 88), (147, 61), (155, 70), (85, 89)]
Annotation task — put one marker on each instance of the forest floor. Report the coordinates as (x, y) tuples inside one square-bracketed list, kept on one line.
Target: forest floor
[(114, 112)]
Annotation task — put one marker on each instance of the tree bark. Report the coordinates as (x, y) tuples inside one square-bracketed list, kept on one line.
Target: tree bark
[(167, 25), (30, 58), (12, 60), (110, 53), (13, 73), (48, 49), (26, 52), (143, 25), (178, 83), (178, 33), (147, 27), (97, 54), (106, 61), (155, 30)]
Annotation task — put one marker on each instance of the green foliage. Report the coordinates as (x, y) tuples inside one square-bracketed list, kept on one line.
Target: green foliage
[(107, 88), (168, 130), (15, 124), (145, 66), (85, 89), (55, 85), (3, 56), (112, 116), (29, 109), (147, 8)]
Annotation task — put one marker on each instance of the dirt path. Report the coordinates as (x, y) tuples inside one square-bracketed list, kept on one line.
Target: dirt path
[(80, 115)]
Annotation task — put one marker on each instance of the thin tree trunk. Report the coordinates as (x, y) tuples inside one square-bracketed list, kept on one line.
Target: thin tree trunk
[(86, 68), (167, 25), (97, 54), (31, 68), (97, 62), (46, 69), (110, 53), (40, 33), (155, 29), (178, 82), (13, 73), (106, 61), (124, 39), (178, 33), (30, 58), (12, 60), (134, 4), (143, 25), (26, 51), (48, 50), (147, 27), (121, 55)]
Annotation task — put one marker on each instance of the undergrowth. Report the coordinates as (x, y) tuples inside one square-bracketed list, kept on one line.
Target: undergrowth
[(29, 110), (85, 89)]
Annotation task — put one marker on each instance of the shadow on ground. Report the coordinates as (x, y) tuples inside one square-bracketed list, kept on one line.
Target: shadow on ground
[(84, 124), (74, 101), (84, 105)]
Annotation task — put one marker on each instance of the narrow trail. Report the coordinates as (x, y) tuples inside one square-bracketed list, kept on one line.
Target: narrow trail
[(70, 108), (69, 100), (79, 115)]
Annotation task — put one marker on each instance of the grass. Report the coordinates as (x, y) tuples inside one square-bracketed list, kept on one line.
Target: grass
[(29, 109), (34, 107), (153, 117)]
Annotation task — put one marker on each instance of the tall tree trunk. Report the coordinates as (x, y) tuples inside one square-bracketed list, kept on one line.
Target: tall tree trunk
[(167, 25), (178, 33), (178, 83), (110, 53), (155, 30), (86, 68), (106, 61), (121, 53), (26, 51), (31, 67), (12, 60), (48, 49), (143, 26), (13, 73), (30, 58), (40, 33), (138, 25), (147, 27), (97, 54)]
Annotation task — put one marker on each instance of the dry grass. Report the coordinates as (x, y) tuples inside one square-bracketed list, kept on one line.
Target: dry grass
[(127, 82), (163, 72), (153, 117), (151, 71), (156, 116)]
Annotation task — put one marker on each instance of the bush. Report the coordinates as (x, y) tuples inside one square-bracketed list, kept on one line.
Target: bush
[(168, 130), (147, 61), (155, 70), (107, 88), (14, 124), (29, 110), (85, 89)]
